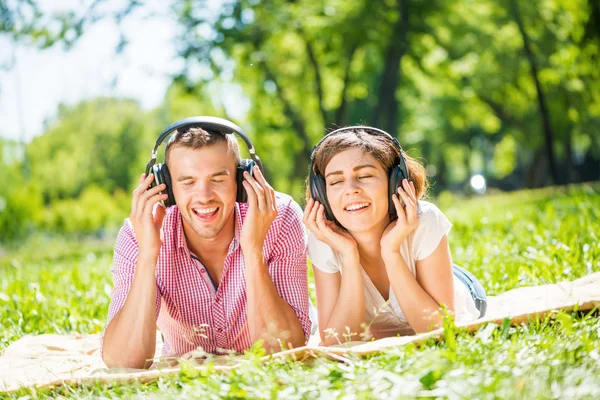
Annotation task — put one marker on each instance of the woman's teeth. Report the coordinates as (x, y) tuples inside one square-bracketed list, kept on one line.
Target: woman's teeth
[(357, 206)]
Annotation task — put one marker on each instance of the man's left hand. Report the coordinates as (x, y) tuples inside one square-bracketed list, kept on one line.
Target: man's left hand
[(262, 210)]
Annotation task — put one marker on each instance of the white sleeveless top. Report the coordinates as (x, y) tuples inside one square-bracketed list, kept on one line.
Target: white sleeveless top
[(389, 320)]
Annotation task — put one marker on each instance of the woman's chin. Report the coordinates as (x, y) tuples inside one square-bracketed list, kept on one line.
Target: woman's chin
[(356, 224)]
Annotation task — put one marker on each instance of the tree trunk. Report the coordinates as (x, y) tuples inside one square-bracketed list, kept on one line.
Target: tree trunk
[(594, 21), (386, 110), (312, 58), (340, 113), (535, 173), (543, 109), (302, 157)]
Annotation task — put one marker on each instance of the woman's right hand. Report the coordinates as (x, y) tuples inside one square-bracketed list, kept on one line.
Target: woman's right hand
[(327, 231), (146, 225)]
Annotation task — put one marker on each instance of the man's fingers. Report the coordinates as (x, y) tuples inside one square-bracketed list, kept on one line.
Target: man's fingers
[(138, 208), (252, 200), (159, 215), (149, 206), (143, 184), (268, 190), (143, 198), (258, 190)]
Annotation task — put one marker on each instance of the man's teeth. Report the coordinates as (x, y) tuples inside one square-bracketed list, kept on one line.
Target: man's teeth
[(205, 210), (357, 206)]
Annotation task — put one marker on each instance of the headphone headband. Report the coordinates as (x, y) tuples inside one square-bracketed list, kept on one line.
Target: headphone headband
[(369, 129), (211, 124)]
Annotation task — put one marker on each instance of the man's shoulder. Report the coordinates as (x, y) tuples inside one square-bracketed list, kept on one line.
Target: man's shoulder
[(287, 207)]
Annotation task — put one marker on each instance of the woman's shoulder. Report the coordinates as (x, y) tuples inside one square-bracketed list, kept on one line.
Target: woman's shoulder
[(427, 208), (433, 225), (321, 255)]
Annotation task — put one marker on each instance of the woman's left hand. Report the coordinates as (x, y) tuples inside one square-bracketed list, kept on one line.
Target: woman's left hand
[(397, 231)]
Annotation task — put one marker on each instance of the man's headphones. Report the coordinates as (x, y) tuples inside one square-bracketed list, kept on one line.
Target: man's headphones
[(211, 125), (318, 185)]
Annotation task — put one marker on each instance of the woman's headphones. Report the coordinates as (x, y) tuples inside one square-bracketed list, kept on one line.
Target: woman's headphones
[(398, 172), (211, 125)]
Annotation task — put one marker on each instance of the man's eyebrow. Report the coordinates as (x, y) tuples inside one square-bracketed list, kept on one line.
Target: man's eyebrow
[(358, 167), (222, 172)]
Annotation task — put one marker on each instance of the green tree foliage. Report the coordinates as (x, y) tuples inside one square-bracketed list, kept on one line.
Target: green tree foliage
[(91, 143), (505, 88)]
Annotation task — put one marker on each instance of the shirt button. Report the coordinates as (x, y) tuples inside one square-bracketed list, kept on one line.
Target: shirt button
[(203, 271), (220, 330)]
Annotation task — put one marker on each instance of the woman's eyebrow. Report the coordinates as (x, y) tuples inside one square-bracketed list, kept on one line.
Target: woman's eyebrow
[(358, 167)]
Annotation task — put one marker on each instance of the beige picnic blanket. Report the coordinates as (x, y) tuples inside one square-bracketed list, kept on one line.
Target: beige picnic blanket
[(51, 360)]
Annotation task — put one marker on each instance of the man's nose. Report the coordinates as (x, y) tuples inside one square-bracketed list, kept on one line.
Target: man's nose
[(204, 192)]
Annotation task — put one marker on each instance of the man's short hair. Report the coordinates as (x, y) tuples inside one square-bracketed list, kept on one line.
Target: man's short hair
[(196, 138)]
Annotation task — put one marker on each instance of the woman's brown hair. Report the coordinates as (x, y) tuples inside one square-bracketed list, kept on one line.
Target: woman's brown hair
[(379, 146)]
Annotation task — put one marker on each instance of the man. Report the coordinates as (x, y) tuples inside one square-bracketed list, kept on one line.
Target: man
[(219, 275)]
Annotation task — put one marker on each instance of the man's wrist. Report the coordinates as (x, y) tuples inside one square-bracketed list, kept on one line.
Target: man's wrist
[(147, 259), (254, 256)]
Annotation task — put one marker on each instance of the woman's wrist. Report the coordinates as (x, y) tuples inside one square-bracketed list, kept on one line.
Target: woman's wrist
[(350, 256), (391, 257)]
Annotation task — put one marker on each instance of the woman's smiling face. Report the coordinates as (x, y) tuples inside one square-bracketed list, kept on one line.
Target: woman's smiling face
[(357, 190)]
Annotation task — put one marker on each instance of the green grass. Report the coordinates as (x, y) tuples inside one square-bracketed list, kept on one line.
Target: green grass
[(508, 240)]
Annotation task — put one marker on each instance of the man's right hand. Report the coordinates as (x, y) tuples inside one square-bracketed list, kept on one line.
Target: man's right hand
[(327, 231), (146, 225)]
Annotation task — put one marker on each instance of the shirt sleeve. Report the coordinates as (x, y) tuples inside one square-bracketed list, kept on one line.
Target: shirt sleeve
[(287, 263), (125, 258), (433, 225), (321, 255)]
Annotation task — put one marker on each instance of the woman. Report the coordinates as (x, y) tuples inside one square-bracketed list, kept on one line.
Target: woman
[(380, 255)]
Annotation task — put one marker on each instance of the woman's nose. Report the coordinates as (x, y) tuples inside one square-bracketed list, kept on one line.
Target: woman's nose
[(352, 187)]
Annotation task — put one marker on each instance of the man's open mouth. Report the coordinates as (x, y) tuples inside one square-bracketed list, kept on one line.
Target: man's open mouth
[(206, 213)]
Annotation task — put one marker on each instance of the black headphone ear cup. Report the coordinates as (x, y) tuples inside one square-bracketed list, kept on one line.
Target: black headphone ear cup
[(319, 193), (169, 190), (162, 175), (244, 165), (395, 181)]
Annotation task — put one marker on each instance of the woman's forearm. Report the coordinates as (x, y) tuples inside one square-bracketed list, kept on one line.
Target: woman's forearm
[(419, 308), (349, 310)]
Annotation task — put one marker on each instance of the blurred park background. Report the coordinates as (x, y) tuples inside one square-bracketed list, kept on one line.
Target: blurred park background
[(493, 95)]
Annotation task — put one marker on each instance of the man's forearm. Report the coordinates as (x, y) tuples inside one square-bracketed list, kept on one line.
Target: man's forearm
[(130, 338), (270, 317)]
